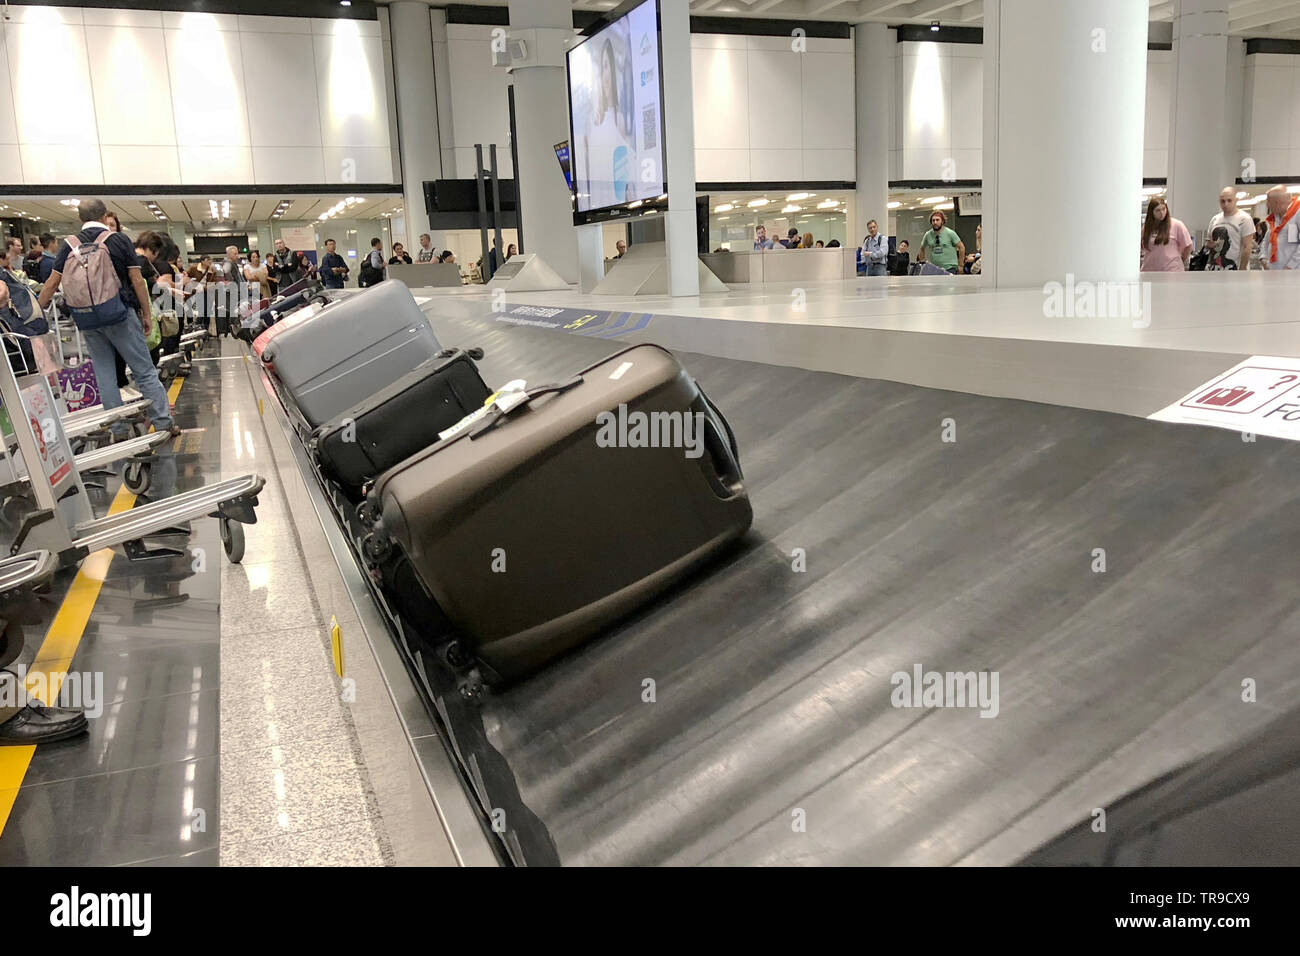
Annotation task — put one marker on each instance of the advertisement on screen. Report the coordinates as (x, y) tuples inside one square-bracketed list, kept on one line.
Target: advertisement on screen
[(616, 150)]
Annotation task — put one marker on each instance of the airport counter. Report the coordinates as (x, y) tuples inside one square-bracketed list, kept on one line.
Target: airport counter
[(783, 265)]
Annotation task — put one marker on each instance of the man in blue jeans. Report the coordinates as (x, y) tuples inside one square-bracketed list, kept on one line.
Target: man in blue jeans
[(125, 336)]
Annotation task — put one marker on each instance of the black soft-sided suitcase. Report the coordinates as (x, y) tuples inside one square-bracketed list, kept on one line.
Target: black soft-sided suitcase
[(530, 535), (399, 421)]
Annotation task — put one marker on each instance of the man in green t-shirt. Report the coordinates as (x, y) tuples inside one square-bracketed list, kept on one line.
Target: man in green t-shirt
[(941, 246)]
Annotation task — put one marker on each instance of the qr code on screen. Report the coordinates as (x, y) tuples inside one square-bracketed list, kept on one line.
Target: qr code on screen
[(650, 127)]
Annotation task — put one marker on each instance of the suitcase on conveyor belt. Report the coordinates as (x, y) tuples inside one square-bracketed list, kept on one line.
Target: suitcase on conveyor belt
[(350, 349), (536, 526), (399, 420), (267, 335), (258, 321)]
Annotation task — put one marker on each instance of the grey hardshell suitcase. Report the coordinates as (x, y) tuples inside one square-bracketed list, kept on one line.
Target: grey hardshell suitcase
[(351, 349), (534, 528)]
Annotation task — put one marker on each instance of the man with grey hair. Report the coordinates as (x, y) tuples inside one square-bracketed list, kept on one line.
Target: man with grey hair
[(1241, 228), (113, 327), (1282, 241)]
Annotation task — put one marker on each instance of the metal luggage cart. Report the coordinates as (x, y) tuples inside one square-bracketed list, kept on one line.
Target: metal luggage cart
[(63, 523), (19, 577)]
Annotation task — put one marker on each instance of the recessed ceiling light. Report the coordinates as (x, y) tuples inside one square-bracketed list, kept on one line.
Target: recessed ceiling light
[(725, 207), (795, 197), (893, 205), (934, 26), (753, 203)]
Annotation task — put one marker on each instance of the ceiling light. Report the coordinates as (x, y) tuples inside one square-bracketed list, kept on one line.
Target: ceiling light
[(1293, 189), (725, 207), (931, 200), (795, 197), (893, 205), (828, 203), (934, 26), (345, 3), (945, 205), (791, 208), (754, 203)]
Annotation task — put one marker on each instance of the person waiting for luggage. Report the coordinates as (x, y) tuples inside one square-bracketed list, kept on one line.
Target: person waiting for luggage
[(426, 252), (49, 248), (760, 238), (283, 264), (399, 256), (148, 246), (875, 250), (113, 320), (447, 256), (1166, 243), (333, 267), (941, 246), (898, 262), (373, 266)]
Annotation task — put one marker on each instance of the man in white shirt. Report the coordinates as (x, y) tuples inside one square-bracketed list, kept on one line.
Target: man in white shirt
[(1240, 226), (1282, 241), (426, 251)]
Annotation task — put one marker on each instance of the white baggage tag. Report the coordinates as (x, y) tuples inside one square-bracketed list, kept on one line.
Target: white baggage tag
[(505, 398)]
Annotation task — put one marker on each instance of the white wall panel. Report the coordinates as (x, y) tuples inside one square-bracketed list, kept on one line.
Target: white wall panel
[(204, 165), (279, 113), (140, 165), (50, 165), (191, 98), (207, 81), (350, 82), (775, 165), (966, 105), (480, 110), (358, 164), (11, 161), (719, 78), (8, 123), (722, 166), (828, 164), (123, 116), (288, 164), (775, 98), (39, 38), (828, 115)]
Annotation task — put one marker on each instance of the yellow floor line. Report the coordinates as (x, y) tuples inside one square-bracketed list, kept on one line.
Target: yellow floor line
[(61, 641)]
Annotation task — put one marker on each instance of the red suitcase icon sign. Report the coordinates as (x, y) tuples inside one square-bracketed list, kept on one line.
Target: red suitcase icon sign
[(1225, 397)]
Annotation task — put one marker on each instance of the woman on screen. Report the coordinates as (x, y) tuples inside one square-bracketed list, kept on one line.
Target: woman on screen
[(610, 157)]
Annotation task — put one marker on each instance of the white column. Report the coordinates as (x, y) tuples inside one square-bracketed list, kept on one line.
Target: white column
[(541, 121), (417, 111), (679, 148), (442, 82), (1198, 112), (874, 80), (1064, 104)]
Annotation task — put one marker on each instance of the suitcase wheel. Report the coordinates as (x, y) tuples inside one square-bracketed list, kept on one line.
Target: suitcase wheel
[(376, 546), (232, 539)]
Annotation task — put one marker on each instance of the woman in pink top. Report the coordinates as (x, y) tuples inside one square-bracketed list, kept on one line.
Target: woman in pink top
[(1166, 243)]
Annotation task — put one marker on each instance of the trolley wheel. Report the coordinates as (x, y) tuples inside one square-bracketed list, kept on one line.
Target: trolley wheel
[(232, 539), (454, 656), (137, 476), (14, 509)]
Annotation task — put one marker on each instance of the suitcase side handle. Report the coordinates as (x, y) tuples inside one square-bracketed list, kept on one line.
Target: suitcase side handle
[(719, 461)]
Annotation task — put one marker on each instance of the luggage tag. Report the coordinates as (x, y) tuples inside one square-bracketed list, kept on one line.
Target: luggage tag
[(500, 402)]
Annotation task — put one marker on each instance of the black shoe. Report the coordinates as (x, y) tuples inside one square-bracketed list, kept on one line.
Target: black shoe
[(38, 724)]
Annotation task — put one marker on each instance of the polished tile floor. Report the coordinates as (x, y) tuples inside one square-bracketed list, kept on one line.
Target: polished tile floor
[(131, 791)]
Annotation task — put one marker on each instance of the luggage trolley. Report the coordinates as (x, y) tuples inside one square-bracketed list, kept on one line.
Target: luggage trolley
[(63, 523)]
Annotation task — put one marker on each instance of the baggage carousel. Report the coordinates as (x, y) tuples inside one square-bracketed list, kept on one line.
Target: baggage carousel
[(1121, 577)]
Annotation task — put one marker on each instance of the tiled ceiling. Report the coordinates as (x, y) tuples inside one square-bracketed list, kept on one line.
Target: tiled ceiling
[(1256, 18), (195, 211)]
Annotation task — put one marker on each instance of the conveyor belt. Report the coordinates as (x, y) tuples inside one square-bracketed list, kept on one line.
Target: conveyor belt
[(773, 690)]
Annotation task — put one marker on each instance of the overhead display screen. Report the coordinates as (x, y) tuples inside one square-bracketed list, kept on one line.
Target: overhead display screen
[(615, 113)]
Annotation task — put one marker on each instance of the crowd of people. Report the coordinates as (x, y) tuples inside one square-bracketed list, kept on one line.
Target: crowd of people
[(1234, 240)]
